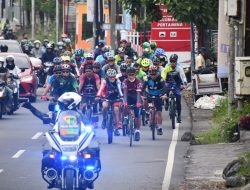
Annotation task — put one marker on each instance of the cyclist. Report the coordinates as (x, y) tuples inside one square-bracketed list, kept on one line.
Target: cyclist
[(132, 96), (123, 74), (180, 80), (120, 57), (74, 70), (64, 83), (140, 74), (89, 85), (145, 63), (111, 64), (78, 59), (99, 49), (49, 55), (153, 46), (89, 59), (97, 70), (111, 90), (101, 58), (60, 48), (155, 86), (161, 54), (156, 62), (67, 45)]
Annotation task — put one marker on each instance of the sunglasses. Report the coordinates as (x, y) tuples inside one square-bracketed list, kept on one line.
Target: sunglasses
[(65, 72), (88, 71), (58, 73)]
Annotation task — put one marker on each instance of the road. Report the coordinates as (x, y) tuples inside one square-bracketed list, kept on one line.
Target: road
[(148, 165)]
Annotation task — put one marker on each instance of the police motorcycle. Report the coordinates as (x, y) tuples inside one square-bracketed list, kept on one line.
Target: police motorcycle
[(3, 97), (73, 162), (14, 86)]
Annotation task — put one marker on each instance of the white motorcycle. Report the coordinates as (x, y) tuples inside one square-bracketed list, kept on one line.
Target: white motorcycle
[(73, 162)]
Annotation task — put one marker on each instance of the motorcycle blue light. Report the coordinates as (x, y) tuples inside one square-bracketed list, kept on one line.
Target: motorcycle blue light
[(57, 107), (72, 157), (88, 129), (90, 167), (63, 157)]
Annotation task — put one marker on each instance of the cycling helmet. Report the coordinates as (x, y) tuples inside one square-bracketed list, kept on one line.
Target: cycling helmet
[(110, 56), (123, 41), (101, 43), (97, 65), (10, 58), (67, 41), (159, 51), (131, 70), (69, 101), (66, 58), (153, 45), (173, 58), (89, 56), (37, 42), (58, 60), (82, 51), (123, 67), (145, 45), (152, 68), (66, 67), (105, 49), (49, 46), (57, 68), (78, 52), (111, 73), (157, 60), (145, 62), (59, 43), (121, 50)]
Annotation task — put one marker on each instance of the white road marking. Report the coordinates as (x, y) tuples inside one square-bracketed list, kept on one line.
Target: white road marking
[(1, 170), (18, 154), (37, 135), (170, 163)]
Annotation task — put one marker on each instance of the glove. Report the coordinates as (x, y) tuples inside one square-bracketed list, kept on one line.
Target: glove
[(138, 104), (43, 97), (125, 104)]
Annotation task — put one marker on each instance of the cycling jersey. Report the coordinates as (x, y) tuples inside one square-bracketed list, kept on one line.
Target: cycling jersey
[(121, 77), (141, 75), (132, 89), (89, 83), (110, 90), (154, 87)]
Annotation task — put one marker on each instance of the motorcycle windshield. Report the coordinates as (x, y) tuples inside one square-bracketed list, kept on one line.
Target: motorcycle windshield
[(69, 123)]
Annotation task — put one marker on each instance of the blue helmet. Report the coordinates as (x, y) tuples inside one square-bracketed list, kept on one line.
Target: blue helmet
[(159, 51), (78, 52)]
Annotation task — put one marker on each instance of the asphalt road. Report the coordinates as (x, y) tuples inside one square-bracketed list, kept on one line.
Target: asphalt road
[(148, 165)]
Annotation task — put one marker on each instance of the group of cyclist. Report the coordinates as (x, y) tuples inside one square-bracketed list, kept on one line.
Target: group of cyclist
[(112, 75)]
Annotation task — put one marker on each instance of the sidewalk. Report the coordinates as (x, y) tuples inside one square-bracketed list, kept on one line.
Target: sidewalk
[(205, 163)]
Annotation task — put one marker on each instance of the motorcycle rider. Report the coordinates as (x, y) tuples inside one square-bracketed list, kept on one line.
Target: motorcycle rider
[(49, 55), (4, 73), (9, 34), (37, 50), (45, 43), (15, 72)]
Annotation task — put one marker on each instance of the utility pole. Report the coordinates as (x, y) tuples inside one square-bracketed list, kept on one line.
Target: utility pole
[(57, 20), (33, 19), (95, 23), (231, 67), (112, 24)]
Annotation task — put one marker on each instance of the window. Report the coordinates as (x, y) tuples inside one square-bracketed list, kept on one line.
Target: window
[(87, 28)]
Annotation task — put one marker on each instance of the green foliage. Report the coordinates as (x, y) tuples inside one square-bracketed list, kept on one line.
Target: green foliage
[(203, 13), (245, 168), (224, 126)]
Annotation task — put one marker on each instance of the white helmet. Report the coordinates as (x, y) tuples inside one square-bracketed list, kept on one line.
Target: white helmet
[(69, 100), (89, 56), (37, 41), (10, 58), (2, 59), (111, 73), (109, 56)]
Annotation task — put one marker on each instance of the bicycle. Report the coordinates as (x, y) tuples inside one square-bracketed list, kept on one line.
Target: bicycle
[(152, 112), (110, 118), (128, 126), (90, 97), (172, 107)]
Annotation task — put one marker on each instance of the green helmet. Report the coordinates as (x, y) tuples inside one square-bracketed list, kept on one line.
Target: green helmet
[(153, 45), (145, 45)]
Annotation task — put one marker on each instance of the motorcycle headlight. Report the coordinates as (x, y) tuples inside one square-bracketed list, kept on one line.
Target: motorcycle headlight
[(26, 79)]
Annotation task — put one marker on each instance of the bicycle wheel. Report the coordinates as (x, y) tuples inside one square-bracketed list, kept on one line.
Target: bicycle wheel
[(172, 112), (110, 128), (131, 129), (153, 124)]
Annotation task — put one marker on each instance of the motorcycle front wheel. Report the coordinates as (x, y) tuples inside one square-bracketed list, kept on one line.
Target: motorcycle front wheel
[(69, 180)]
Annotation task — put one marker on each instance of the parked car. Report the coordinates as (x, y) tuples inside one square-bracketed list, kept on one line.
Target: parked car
[(28, 85), (13, 46)]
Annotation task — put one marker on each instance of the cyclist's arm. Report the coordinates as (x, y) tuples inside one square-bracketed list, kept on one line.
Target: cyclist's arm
[(119, 87), (182, 75), (139, 90), (97, 81), (100, 91), (81, 82)]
